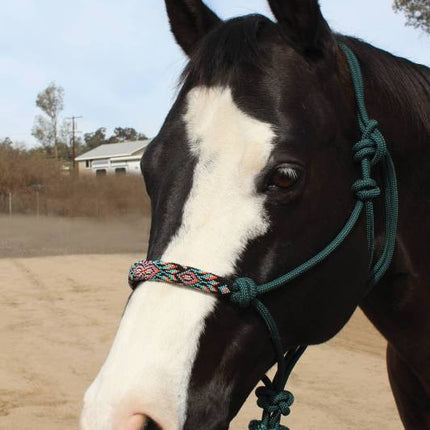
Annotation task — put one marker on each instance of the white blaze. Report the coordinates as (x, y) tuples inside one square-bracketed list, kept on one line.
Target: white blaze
[(148, 368)]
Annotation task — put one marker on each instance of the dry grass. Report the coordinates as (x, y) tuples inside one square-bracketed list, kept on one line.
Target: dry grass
[(40, 185), (101, 197)]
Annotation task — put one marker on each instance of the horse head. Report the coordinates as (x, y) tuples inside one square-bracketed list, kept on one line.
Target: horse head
[(250, 175)]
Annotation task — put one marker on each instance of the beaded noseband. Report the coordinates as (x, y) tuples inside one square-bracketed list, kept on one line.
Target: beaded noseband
[(147, 270), (244, 292)]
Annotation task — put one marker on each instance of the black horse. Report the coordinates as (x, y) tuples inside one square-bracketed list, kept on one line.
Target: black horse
[(251, 175)]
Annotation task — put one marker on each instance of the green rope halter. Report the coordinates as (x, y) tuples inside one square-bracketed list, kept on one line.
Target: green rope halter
[(368, 152)]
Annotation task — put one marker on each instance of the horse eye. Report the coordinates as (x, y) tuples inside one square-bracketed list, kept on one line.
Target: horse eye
[(283, 177)]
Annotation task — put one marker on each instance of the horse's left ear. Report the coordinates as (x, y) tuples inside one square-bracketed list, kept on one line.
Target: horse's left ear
[(190, 20), (303, 25)]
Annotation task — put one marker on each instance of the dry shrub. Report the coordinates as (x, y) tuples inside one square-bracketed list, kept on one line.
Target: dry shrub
[(109, 196), (20, 170), (31, 176)]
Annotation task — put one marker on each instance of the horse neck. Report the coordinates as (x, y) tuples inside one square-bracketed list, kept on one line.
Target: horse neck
[(397, 94)]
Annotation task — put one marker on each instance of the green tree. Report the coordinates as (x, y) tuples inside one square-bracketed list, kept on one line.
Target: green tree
[(417, 12), (95, 139), (98, 137), (125, 134), (46, 126)]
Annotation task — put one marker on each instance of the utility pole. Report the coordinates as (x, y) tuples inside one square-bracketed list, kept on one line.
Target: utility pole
[(73, 119)]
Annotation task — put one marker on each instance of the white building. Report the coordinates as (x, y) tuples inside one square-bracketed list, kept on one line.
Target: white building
[(113, 159)]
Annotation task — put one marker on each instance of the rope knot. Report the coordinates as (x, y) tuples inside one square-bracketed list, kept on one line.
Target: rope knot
[(365, 189), (274, 401), (261, 425), (371, 126), (372, 146), (244, 291)]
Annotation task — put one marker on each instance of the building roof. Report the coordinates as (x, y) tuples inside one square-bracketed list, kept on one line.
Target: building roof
[(109, 150)]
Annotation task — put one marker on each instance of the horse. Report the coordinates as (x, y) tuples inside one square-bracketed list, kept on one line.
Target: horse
[(249, 176)]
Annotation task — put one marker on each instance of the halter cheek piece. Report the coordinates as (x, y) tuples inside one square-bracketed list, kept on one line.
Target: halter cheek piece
[(243, 292)]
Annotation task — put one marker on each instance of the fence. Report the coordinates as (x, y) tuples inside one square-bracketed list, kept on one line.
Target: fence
[(79, 197)]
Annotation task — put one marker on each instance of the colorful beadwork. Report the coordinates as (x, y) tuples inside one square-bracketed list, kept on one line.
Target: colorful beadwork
[(156, 270)]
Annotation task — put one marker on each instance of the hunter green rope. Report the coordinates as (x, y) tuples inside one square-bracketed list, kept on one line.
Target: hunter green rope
[(368, 152), (373, 136), (272, 398)]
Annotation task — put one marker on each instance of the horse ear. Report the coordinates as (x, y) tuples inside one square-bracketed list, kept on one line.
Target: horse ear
[(190, 20), (303, 24)]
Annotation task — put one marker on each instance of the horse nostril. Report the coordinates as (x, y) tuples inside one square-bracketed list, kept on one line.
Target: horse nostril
[(151, 425), (139, 422)]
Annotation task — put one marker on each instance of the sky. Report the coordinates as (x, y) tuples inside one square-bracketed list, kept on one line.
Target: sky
[(118, 62)]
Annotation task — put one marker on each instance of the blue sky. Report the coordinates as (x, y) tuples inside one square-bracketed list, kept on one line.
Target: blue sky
[(118, 62)]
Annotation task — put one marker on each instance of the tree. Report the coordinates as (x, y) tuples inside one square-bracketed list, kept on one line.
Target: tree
[(6, 143), (125, 134), (95, 139), (65, 141), (51, 102), (98, 137), (417, 12), (44, 133)]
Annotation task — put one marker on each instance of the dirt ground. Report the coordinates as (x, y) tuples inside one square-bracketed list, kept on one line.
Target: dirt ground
[(59, 315), (28, 236)]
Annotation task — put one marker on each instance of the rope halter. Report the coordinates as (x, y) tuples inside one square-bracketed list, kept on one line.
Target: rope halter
[(243, 292)]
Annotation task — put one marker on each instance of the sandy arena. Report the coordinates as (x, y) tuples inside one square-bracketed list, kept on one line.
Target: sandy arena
[(60, 313)]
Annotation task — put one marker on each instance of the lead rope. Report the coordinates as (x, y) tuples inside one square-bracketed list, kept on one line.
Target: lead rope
[(243, 292)]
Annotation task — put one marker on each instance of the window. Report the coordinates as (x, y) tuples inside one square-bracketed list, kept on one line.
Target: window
[(101, 172), (88, 164), (120, 171)]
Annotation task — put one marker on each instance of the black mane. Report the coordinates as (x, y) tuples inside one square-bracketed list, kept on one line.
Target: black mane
[(403, 85)]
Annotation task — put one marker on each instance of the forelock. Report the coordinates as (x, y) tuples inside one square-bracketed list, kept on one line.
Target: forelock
[(224, 52)]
